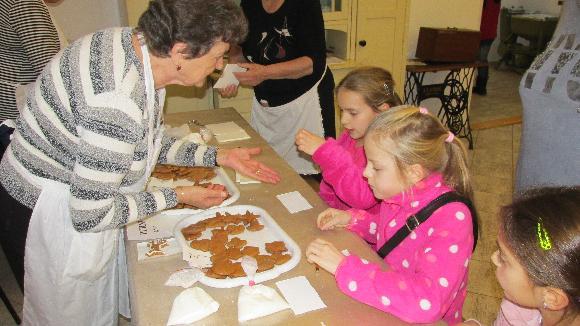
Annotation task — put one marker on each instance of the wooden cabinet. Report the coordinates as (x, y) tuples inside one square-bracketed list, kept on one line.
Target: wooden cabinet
[(379, 40)]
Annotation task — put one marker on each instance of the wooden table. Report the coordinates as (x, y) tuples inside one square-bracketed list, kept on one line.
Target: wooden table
[(151, 301)]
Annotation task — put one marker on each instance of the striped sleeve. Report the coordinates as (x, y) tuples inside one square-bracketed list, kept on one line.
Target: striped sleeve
[(185, 153), (111, 130), (32, 23)]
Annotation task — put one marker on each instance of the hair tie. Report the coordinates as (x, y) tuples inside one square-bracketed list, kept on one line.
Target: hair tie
[(543, 237), (450, 137), (423, 110), (388, 89)]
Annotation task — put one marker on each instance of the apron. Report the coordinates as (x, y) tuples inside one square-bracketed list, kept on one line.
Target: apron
[(278, 126), (74, 278)]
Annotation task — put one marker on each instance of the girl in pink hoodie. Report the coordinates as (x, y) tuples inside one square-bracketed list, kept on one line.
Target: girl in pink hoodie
[(412, 160), (361, 95)]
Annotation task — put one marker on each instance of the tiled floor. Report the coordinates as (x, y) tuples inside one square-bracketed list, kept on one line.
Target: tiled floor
[(492, 163)]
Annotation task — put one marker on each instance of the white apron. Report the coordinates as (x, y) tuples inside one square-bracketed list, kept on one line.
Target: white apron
[(74, 278), (278, 125)]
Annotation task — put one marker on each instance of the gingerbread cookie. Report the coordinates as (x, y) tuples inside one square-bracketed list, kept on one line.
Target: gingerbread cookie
[(236, 243), (281, 258), (250, 251), (275, 246), (202, 244)]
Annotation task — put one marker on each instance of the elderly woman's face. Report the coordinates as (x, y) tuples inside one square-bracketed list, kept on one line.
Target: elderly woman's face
[(195, 71)]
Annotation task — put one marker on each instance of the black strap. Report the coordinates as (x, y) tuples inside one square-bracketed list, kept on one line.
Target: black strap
[(421, 216)]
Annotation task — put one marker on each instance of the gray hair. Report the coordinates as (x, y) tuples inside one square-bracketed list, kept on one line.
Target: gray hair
[(197, 23)]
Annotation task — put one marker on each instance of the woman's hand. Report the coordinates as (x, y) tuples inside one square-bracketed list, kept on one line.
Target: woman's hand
[(228, 91), (201, 197), (331, 218), (240, 159), (324, 254), (308, 142), (255, 74)]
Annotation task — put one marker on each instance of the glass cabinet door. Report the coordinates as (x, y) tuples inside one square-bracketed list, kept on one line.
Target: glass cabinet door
[(334, 9)]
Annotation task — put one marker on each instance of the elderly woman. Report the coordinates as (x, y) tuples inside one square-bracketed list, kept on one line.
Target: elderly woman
[(85, 145)]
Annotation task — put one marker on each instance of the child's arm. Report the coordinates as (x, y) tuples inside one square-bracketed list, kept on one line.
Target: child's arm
[(416, 289), (364, 224), (346, 178)]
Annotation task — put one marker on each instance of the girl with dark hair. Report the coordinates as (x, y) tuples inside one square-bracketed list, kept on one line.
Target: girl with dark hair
[(86, 142), (538, 261)]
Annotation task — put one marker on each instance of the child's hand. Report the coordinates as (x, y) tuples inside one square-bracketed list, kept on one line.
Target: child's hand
[(324, 254), (331, 218), (308, 142)]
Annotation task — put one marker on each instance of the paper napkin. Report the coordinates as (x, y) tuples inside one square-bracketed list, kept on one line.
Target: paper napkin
[(294, 201), (300, 294), (228, 77)]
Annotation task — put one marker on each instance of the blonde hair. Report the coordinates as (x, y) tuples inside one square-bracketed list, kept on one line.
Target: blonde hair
[(412, 137), (375, 85)]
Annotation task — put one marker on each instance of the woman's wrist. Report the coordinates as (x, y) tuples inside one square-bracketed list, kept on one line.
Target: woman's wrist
[(180, 194), (221, 156)]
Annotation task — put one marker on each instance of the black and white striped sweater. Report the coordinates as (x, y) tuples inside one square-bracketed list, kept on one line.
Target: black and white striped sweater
[(83, 126), (28, 40)]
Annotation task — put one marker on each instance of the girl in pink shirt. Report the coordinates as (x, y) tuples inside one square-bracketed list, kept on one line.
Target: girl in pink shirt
[(538, 260), (412, 160), (361, 95)]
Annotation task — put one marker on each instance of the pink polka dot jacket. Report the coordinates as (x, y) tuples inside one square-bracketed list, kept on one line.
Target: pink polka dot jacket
[(426, 278), (343, 186)]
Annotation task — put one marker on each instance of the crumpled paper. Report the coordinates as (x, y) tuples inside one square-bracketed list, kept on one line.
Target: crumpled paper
[(255, 301), (190, 306), (184, 277), (258, 301)]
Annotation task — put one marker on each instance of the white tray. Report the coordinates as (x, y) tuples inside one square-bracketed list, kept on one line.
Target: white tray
[(271, 232), (220, 178)]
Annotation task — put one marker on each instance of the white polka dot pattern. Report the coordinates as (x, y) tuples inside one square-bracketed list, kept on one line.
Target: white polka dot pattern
[(393, 223), (413, 235), (385, 301), (460, 216), (425, 304), (405, 263), (438, 185), (431, 230), (427, 249), (414, 203), (443, 282), (364, 261), (352, 286), (372, 228), (453, 249)]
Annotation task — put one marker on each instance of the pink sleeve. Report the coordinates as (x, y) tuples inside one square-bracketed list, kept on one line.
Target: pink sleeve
[(364, 224), (421, 287), (343, 175)]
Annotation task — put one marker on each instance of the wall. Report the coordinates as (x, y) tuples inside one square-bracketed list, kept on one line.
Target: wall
[(440, 13), (79, 17)]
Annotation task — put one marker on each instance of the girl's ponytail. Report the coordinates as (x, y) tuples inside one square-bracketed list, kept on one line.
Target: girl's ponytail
[(456, 171)]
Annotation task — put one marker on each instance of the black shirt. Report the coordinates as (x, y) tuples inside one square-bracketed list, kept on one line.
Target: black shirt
[(295, 30)]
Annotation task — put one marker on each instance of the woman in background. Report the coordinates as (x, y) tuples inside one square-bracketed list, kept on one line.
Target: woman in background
[(285, 54), (29, 40)]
